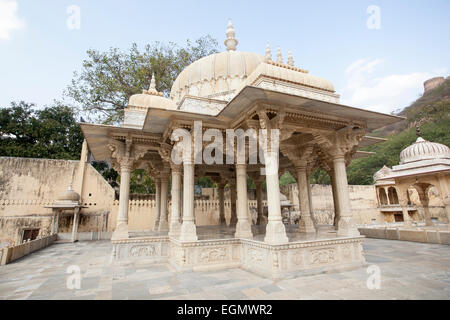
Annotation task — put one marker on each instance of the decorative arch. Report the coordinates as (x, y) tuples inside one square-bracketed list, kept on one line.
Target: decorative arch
[(382, 196), (392, 194)]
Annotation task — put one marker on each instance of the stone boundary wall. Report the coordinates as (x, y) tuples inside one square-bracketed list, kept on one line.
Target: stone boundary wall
[(12, 253), (141, 213), (27, 185), (363, 201), (86, 236), (415, 235)]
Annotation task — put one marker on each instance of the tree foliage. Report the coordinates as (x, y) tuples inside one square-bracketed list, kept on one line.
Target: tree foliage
[(51, 132), (108, 79), (431, 112)]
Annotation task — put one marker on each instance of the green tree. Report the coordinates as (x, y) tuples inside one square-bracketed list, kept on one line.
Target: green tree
[(51, 132), (108, 79)]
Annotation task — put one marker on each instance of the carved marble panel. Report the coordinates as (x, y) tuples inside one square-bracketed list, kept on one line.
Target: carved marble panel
[(211, 255), (323, 256)]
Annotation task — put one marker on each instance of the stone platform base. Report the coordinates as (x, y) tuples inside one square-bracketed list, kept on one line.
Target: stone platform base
[(271, 261), (417, 234)]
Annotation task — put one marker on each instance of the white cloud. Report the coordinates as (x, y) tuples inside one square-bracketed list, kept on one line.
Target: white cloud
[(382, 94), (8, 18)]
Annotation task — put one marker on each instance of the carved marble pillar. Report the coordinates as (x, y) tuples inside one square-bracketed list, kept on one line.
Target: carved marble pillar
[(221, 194), (335, 200), (403, 201), (275, 229), (175, 225), (124, 156), (124, 197), (188, 229), (181, 200), (52, 231), (259, 203), (243, 226), (57, 221), (443, 185), (311, 209), (163, 222), (346, 226), (76, 218), (423, 197), (157, 203), (306, 224), (337, 149), (233, 218)]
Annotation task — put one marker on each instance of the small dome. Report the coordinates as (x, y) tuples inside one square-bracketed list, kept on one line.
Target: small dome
[(69, 196), (151, 98), (383, 172), (424, 150)]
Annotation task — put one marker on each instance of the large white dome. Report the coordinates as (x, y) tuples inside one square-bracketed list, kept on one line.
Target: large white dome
[(424, 150), (215, 75), (221, 75)]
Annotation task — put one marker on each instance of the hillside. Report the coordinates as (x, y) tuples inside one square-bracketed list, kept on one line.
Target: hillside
[(431, 112)]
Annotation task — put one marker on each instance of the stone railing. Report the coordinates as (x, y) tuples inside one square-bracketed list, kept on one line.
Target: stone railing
[(12, 253)]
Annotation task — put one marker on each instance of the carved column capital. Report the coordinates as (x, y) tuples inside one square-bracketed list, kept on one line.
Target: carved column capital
[(125, 155), (299, 156), (340, 144), (176, 169)]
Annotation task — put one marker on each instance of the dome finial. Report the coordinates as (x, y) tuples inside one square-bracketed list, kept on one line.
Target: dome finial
[(231, 42), (279, 56), (152, 84), (290, 58), (152, 88), (418, 132), (268, 53)]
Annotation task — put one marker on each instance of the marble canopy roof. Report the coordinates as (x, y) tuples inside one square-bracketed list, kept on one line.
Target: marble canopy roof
[(157, 122)]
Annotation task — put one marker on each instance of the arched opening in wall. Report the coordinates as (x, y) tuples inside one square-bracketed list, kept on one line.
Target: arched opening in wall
[(436, 205), (413, 200), (393, 197), (382, 196)]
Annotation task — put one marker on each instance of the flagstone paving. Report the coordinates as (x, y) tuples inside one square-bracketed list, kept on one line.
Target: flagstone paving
[(408, 271)]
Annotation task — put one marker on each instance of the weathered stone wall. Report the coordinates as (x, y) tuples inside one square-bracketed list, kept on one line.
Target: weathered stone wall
[(363, 202), (27, 185), (141, 213)]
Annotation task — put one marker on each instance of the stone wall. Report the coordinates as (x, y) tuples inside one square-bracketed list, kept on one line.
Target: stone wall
[(27, 185), (9, 254), (141, 213), (363, 201)]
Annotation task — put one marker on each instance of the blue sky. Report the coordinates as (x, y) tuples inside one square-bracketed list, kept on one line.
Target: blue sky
[(378, 69)]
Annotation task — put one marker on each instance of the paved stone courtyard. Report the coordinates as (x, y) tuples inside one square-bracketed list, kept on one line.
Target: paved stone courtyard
[(408, 271)]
